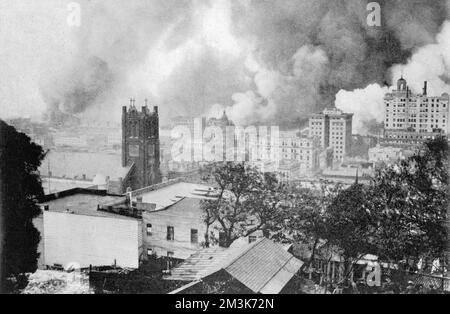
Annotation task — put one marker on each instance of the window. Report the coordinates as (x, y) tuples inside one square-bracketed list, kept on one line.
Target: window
[(149, 229), (170, 233), (251, 239), (133, 150), (194, 236), (151, 150)]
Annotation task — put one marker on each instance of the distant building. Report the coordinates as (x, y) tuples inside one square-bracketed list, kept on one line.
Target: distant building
[(333, 128), (349, 172), (303, 150), (70, 141), (177, 163), (138, 165), (285, 170), (388, 154), (221, 122), (227, 138), (413, 118), (289, 171), (140, 146)]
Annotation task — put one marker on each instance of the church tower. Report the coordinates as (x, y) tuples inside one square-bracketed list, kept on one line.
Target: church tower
[(140, 145)]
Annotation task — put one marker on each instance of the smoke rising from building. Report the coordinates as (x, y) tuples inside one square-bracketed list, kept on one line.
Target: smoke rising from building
[(264, 61), (429, 63)]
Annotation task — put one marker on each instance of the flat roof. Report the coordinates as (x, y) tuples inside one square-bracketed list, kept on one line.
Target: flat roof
[(82, 202), (169, 193)]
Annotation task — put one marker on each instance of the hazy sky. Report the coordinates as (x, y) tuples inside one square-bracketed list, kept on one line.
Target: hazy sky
[(262, 61)]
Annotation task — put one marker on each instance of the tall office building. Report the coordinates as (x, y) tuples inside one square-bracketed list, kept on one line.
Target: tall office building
[(333, 128), (413, 118)]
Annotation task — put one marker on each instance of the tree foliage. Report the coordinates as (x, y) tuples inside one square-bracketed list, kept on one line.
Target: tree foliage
[(21, 186), (410, 201), (399, 216), (247, 201)]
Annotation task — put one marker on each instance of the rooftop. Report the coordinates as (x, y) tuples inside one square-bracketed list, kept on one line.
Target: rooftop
[(333, 111), (263, 266), (171, 192), (80, 201)]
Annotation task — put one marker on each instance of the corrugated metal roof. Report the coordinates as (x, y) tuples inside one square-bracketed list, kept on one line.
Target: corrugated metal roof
[(199, 265), (263, 266)]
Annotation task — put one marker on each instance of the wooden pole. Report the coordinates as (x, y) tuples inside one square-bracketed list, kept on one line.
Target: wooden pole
[(2, 209)]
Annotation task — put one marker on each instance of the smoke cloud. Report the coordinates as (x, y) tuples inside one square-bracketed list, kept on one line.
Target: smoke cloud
[(429, 63), (263, 61)]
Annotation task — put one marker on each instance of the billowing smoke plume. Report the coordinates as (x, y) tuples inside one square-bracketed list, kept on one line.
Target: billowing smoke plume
[(366, 104), (429, 63), (263, 60)]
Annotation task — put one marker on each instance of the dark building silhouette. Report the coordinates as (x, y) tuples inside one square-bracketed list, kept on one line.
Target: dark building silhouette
[(141, 146)]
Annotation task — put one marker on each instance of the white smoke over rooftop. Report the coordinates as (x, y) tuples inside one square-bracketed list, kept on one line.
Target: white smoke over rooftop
[(430, 63), (269, 61)]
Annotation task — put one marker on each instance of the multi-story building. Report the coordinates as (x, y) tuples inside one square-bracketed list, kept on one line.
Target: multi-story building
[(303, 150), (388, 154), (333, 128), (413, 118)]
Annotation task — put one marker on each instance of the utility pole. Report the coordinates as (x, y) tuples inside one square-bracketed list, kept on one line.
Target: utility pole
[(49, 172)]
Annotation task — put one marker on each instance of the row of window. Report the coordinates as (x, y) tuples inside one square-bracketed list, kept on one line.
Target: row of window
[(170, 236)]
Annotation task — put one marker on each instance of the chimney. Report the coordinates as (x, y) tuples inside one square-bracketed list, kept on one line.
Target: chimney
[(425, 88), (124, 109), (155, 109)]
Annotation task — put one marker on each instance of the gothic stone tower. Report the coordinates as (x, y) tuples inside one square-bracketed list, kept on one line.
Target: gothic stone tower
[(140, 145)]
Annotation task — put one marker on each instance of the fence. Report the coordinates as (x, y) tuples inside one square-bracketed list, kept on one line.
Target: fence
[(438, 282)]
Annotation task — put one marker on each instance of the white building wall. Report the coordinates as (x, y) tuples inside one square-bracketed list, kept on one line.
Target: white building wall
[(90, 240), (182, 221)]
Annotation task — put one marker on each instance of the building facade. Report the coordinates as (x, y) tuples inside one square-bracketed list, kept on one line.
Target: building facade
[(141, 146), (413, 118), (78, 229), (303, 150), (388, 154), (177, 231), (333, 128)]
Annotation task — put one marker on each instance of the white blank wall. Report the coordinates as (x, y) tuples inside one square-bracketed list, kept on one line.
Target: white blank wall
[(88, 240)]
